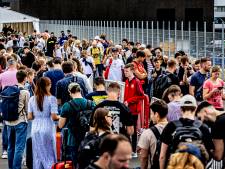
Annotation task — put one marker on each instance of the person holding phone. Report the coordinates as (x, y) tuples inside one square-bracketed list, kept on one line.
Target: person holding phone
[(213, 89)]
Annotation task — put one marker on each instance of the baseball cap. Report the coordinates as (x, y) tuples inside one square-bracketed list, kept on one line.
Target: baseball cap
[(188, 101), (143, 46), (97, 38), (115, 50)]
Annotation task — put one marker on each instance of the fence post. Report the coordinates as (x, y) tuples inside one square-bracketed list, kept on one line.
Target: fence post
[(189, 37), (157, 30), (93, 31), (222, 49), (197, 39), (121, 31), (182, 34), (109, 29), (152, 33), (125, 29), (114, 32), (117, 31), (133, 31), (175, 34), (138, 31), (147, 32), (163, 33), (204, 38), (88, 30), (214, 60), (129, 30), (169, 39), (142, 32)]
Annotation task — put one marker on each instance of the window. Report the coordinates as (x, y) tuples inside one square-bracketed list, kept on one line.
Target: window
[(219, 8)]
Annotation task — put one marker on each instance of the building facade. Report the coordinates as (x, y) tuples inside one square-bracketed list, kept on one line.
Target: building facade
[(161, 10)]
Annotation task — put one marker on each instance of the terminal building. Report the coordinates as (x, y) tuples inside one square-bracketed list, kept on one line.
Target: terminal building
[(161, 10)]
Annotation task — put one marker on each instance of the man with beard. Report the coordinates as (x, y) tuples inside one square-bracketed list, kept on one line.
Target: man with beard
[(216, 120), (198, 78), (115, 153)]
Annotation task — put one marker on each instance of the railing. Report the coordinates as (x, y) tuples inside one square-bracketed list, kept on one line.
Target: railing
[(193, 38)]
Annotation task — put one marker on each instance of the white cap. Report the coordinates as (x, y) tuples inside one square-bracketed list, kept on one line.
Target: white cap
[(97, 38), (143, 46), (188, 101)]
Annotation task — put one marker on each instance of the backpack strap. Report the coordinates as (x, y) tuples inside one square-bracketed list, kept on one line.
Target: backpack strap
[(155, 132), (197, 123), (89, 103), (157, 136)]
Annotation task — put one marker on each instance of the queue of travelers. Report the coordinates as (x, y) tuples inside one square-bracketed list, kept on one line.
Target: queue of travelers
[(98, 105)]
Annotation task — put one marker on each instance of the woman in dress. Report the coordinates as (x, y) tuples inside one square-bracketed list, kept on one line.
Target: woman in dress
[(42, 109)]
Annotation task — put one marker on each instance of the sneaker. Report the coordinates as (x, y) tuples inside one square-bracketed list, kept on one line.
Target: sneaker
[(4, 155), (134, 155), (24, 161)]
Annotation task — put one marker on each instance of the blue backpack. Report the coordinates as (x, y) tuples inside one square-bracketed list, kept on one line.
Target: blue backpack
[(10, 101)]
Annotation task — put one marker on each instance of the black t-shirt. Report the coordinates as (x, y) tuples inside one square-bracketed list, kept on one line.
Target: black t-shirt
[(93, 166), (219, 127), (167, 134), (97, 96), (121, 115)]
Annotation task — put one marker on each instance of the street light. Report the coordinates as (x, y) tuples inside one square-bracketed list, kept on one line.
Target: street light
[(221, 43)]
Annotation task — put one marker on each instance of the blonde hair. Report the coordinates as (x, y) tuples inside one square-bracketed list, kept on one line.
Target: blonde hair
[(185, 160)]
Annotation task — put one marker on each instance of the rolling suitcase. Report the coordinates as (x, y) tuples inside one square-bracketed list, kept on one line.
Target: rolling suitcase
[(58, 145), (64, 164)]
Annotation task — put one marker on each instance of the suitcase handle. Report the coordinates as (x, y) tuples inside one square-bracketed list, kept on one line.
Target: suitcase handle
[(65, 139)]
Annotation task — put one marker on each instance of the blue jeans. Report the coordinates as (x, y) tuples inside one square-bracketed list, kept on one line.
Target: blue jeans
[(16, 144), (4, 138)]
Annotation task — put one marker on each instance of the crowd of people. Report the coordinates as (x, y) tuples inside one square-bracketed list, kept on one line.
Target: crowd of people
[(62, 84)]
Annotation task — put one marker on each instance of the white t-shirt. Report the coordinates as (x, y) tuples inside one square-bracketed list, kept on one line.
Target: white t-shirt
[(87, 68), (58, 53), (115, 71)]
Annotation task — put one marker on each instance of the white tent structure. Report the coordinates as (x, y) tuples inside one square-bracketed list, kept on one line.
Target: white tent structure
[(18, 21)]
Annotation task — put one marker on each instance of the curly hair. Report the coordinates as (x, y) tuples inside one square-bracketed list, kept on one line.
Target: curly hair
[(184, 159)]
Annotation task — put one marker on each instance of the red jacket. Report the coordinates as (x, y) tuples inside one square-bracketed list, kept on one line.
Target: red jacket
[(134, 94)]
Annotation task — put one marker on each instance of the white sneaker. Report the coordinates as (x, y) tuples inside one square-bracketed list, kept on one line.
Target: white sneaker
[(134, 155), (24, 161), (4, 155)]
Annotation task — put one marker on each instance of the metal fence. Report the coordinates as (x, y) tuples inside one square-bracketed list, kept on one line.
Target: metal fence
[(171, 36)]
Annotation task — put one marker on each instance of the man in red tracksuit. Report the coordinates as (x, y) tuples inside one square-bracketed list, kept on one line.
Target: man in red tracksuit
[(133, 96)]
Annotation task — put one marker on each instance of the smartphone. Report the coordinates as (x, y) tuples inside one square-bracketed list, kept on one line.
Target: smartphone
[(220, 88)]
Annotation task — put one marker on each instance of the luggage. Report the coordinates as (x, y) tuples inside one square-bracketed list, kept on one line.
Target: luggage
[(58, 145), (29, 155), (64, 164)]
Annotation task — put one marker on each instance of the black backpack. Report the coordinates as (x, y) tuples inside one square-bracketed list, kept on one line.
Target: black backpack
[(81, 120), (186, 133), (161, 84), (10, 102), (155, 159), (88, 151)]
